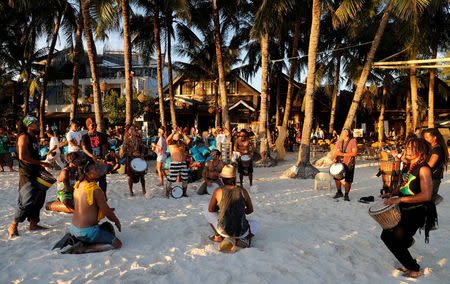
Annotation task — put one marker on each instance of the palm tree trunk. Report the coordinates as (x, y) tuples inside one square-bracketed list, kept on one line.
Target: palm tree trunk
[(413, 84), (222, 88), (335, 91), (45, 75), (431, 94), (305, 169), (277, 102), (76, 67), (26, 97), (169, 70), (408, 114), (128, 61), (279, 144), (263, 150), (158, 61), (367, 66), (216, 104), (381, 117), (92, 54)]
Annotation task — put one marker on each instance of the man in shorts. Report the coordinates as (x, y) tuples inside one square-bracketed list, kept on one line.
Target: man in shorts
[(346, 151), (90, 208), (244, 146), (178, 165)]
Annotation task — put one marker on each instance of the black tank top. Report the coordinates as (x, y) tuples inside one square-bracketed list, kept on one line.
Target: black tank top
[(232, 220), (410, 183), (33, 150)]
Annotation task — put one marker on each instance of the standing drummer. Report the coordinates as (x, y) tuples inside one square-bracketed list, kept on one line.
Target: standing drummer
[(31, 198), (177, 142), (211, 172), (346, 151), (132, 149), (244, 146)]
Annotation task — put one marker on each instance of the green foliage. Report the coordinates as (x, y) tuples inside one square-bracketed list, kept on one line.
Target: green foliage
[(115, 107)]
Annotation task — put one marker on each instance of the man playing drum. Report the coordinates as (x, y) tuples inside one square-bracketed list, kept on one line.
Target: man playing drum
[(211, 172), (31, 198), (346, 151), (132, 149), (415, 204), (178, 165), (244, 146)]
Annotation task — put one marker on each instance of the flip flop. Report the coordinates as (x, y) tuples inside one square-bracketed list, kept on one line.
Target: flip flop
[(227, 246)]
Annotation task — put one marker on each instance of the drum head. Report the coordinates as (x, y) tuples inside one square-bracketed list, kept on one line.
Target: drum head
[(379, 207), (336, 169), (138, 165), (177, 192), (245, 158), (210, 189)]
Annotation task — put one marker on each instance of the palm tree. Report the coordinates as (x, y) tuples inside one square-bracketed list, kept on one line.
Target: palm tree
[(222, 89), (60, 10), (348, 9), (125, 5), (76, 66), (92, 54), (304, 169)]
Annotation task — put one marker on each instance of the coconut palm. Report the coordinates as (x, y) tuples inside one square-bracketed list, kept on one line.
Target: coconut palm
[(76, 66), (92, 54), (348, 9)]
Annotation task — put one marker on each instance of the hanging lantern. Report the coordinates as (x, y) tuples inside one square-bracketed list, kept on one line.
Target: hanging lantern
[(142, 98)]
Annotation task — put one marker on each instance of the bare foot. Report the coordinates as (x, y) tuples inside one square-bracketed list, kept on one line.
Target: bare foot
[(160, 184), (412, 274), (36, 227), (131, 193), (216, 238), (402, 269), (12, 231), (13, 170), (144, 191)]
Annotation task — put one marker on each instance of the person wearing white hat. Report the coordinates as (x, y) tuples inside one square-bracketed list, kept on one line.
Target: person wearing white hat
[(226, 214)]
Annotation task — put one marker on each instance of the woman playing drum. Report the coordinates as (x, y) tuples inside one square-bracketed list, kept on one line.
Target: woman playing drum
[(414, 195)]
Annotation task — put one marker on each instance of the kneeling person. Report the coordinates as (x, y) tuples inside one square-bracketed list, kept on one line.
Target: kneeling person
[(90, 208), (227, 212), (66, 181), (211, 172)]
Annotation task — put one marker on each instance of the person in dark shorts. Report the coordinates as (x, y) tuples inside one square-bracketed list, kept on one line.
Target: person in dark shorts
[(437, 159), (31, 198), (346, 151), (244, 146), (414, 200), (94, 145)]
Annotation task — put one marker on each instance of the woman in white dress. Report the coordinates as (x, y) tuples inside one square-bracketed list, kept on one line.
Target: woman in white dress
[(54, 154)]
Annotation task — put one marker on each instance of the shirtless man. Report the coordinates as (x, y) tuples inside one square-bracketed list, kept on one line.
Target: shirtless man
[(90, 208), (31, 198), (211, 172), (178, 165), (244, 146)]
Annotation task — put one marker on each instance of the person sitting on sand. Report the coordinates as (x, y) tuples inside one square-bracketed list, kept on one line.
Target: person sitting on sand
[(90, 208), (211, 172), (66, 181), (178, 165), (226, 213), (112, 161)]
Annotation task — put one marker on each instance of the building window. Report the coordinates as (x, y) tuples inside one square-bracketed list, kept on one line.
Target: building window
[(186, 88), (231, 87), (60, 96)]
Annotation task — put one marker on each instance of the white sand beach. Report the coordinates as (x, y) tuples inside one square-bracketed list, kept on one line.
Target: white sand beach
[(305, 237)]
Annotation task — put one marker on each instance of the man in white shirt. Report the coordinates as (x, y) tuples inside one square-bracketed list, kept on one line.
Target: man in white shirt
[(73, 137)]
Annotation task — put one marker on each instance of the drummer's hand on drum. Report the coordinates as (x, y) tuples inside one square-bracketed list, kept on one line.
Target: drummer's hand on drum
[(390, 201), (386, 195)]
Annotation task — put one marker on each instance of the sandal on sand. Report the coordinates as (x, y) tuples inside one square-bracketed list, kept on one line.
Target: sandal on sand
[(227, 246), (412, 274), (216, 238), (243, 243)]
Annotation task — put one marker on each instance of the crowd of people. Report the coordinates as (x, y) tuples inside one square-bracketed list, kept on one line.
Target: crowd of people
[(82, 183)]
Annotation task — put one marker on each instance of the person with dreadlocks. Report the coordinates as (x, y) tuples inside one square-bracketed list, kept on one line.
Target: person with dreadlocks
[(414, 195), (91, 207), (437, 159), (226, 214)]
